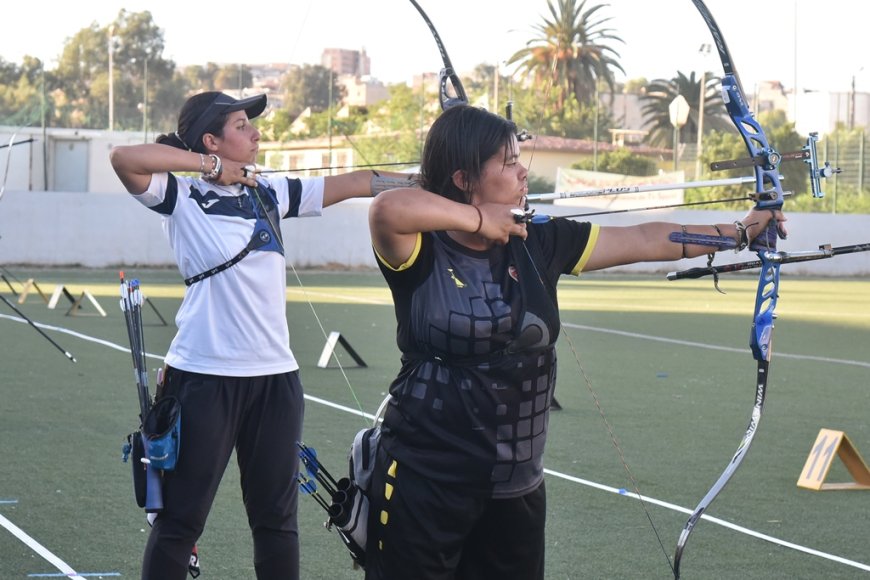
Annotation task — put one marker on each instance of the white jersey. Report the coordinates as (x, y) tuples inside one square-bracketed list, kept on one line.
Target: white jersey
[(233, 323)]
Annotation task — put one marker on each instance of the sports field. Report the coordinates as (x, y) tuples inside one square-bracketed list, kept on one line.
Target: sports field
[(667, 361)]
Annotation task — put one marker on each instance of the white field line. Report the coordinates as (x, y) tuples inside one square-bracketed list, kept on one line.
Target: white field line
[(653, 501), (40, 549), (777, 354), (592, 484)]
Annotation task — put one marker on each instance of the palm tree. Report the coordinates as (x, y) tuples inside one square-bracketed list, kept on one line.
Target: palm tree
[(571, 51), (661, 92)]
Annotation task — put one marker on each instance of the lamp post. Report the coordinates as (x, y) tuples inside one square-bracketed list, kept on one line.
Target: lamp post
[(852, 100), (145, 99), (142, 106), (704, 51), (595, 128), (111, 79)]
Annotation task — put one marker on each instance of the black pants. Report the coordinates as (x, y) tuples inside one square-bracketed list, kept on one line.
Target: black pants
[(261, 417), (423, 530)]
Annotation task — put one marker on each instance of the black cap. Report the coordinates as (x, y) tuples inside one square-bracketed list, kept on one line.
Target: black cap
[(222, 104)]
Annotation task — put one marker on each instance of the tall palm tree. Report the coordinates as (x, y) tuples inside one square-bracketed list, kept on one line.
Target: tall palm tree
[(661, 92), (571, 51)]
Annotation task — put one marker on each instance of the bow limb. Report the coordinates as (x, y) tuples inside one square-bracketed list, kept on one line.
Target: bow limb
[(447, 73)]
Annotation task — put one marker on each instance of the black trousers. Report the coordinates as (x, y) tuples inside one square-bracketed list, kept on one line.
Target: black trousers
[(261, 417), (422, 530)]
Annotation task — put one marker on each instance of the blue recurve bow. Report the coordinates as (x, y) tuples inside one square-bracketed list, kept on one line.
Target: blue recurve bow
[(769, 195)]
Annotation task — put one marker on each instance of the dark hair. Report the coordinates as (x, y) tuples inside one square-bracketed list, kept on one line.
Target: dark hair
[(463, 138), (192, 110), (207, 113)]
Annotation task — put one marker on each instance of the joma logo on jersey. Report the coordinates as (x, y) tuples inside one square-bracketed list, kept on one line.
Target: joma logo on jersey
[(204, 201)]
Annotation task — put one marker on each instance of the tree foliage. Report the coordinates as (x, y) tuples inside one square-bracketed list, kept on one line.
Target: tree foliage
[(657, 100), (535, 113), (396, 128), (147, 89), (721, 146), (568, 60), (621, 162), (21, 93), (572, 52), (310, 86), (136, 45)]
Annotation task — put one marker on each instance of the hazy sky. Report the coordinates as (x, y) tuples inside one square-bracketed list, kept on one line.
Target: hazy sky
[(661, 36)]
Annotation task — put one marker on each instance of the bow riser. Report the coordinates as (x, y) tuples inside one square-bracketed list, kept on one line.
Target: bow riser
[(768, 186)]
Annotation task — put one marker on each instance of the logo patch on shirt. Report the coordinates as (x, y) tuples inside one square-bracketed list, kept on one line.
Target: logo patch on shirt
[(512, 272), (213, 204), (204, 201), (459, 283)]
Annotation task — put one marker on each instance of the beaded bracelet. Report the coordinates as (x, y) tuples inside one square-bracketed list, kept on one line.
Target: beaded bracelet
[(216, 169)]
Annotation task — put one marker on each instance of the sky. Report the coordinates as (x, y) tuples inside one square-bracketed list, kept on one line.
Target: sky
[(661, 36)]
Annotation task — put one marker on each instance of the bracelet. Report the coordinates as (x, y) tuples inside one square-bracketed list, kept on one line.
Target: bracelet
[(216, 169), (201, 163), (742, 236), (479, 218)]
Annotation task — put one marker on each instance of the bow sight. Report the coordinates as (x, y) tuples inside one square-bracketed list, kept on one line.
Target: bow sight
[(771, 159)]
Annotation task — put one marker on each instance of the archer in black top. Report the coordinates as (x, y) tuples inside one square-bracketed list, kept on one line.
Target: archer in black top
[(457, 491)]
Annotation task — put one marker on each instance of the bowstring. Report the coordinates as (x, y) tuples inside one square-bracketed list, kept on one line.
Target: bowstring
[(609, 427), (634, 484), (276, 232)]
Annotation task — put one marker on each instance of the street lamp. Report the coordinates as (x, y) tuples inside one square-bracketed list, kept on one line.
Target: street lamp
[(111, 79), (852, 100), (704, 51), (145, 100), (143, 106)]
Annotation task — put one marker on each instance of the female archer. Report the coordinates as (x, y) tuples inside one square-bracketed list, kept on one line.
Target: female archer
[(230, 363), (458, 489)]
